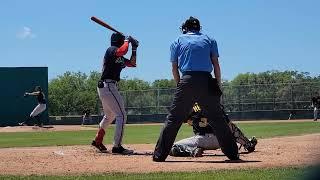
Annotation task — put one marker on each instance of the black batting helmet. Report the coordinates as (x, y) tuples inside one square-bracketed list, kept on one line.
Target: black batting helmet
[(191, 24), (117, 39)]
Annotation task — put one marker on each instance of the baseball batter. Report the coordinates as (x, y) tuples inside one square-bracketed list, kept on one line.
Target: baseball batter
[(316, 106), (205, 139), (112, 102), (38, 109)]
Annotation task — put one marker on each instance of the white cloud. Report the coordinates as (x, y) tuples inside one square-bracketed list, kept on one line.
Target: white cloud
[(25, 33)]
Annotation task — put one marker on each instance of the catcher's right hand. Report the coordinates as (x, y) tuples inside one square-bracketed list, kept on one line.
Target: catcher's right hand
[(25, 94)]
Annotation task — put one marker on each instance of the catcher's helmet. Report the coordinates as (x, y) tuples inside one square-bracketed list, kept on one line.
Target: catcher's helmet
[(117, 39), (191, 24)]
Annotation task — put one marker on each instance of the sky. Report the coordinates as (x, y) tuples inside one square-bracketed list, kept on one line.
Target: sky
[(252, 35)]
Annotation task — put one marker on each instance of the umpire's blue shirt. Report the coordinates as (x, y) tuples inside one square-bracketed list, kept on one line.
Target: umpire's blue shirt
[(193, 51)]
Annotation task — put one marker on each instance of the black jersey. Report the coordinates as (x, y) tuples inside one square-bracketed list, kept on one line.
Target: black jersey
[(41, 99), (200, 123), (112, 65), (316, 101)]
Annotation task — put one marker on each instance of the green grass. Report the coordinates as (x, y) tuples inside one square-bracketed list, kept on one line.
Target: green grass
[(245, 174), (275, 129), (146, 134)]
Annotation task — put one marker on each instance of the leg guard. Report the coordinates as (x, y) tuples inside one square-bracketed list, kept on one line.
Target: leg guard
[(249, 145)]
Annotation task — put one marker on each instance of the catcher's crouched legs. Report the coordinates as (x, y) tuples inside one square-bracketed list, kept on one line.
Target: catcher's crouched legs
[(179, 150), (185, 147)]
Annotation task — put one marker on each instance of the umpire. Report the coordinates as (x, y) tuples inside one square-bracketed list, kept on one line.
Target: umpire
[(195, 55)]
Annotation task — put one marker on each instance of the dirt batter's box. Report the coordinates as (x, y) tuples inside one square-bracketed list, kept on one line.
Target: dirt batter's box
[(14, 82)]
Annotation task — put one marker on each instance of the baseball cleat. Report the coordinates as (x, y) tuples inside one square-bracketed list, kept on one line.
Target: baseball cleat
[(250, 147), (100, 147), (23, 124), (121, 150)]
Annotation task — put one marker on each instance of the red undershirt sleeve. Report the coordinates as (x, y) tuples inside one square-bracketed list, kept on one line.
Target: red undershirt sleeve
[(123, 49)]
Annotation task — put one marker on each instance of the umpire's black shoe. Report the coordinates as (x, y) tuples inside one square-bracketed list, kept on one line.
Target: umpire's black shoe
[(157, 158), (121, 150), (100, 147)]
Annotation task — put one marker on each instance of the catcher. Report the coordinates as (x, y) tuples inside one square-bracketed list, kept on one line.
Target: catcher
[(205, 139), (38, 109)]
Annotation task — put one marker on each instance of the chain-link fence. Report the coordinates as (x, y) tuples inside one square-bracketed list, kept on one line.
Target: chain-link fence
[(241, 98), (259, 97)]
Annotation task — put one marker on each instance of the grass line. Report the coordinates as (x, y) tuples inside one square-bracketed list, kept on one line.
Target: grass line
[(141, 134)]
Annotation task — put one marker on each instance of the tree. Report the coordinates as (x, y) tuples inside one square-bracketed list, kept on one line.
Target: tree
[(72, 93)]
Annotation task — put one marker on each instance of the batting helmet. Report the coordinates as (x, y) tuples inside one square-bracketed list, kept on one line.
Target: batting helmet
[(117, 39), (191, 24)]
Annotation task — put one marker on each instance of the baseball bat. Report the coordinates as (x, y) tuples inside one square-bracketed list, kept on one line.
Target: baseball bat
[(104, 24)]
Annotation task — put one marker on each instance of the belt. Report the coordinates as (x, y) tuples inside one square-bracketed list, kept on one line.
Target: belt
[(205, 134), (196, 73), (109, 81)]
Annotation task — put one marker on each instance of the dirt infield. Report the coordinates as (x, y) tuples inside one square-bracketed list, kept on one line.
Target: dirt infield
[(61, 160), (45, 128)]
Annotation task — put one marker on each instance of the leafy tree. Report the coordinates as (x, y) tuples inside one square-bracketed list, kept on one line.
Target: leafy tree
[(164, 83), (72, 92)]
